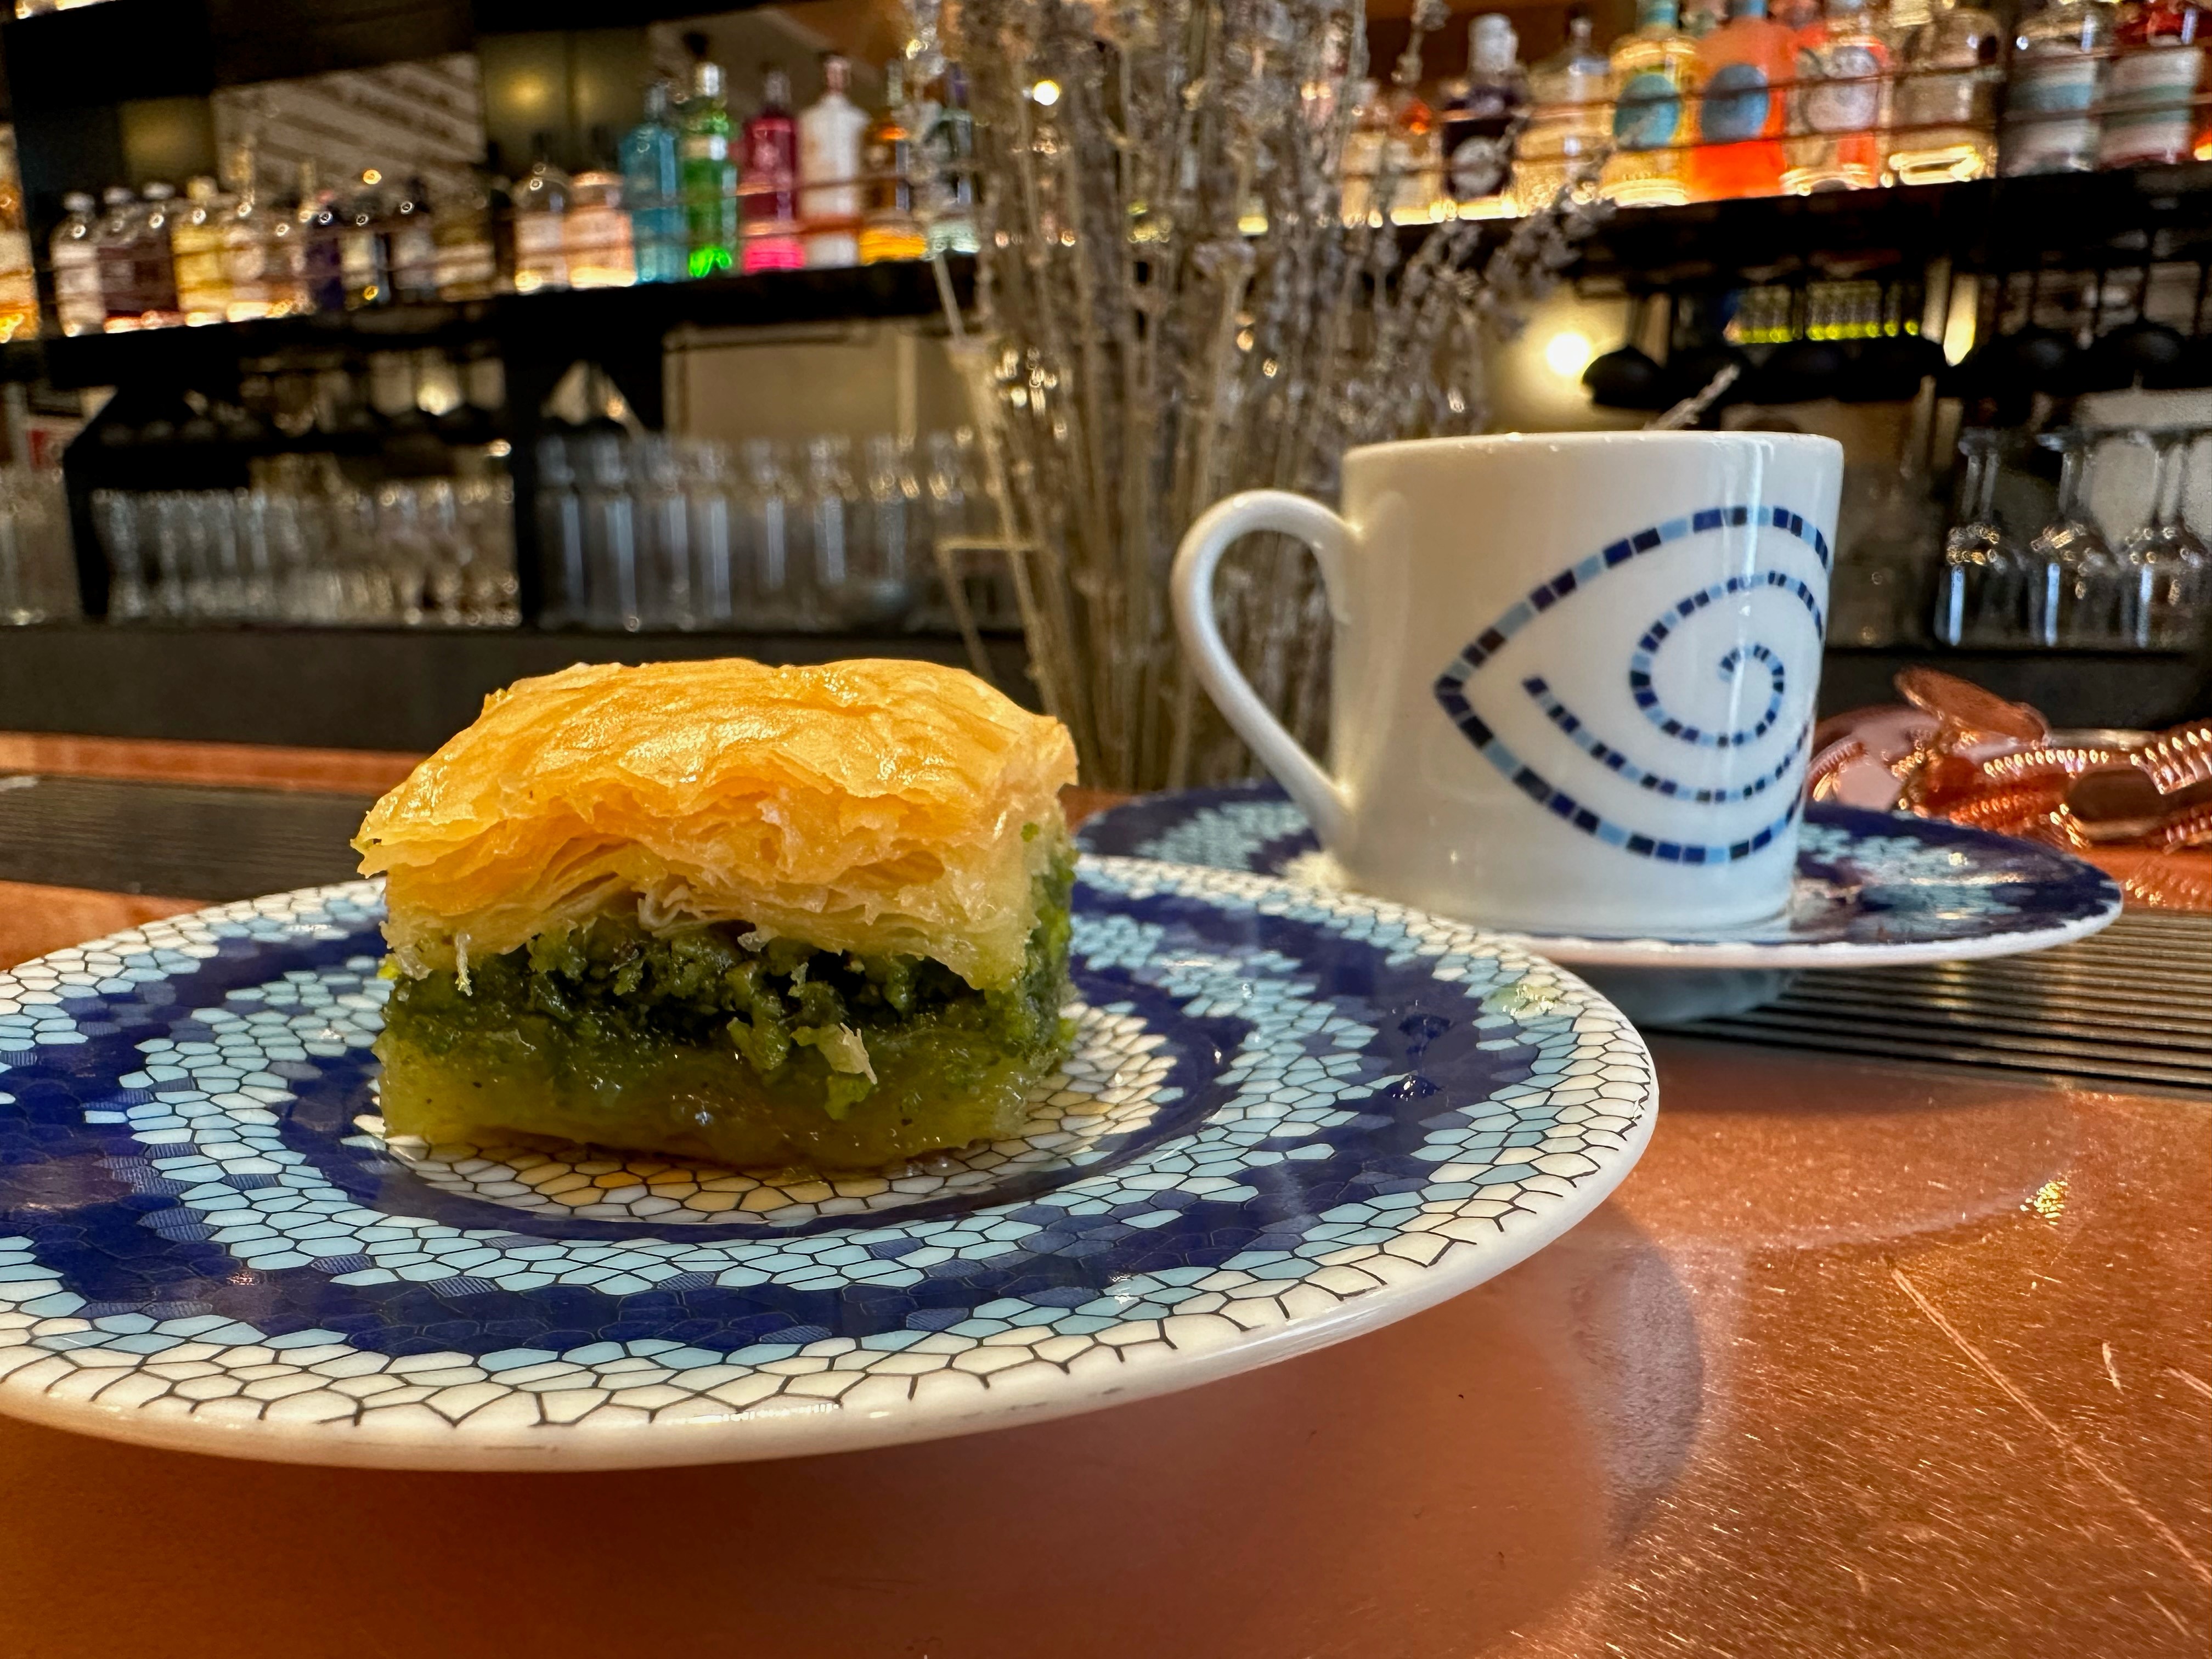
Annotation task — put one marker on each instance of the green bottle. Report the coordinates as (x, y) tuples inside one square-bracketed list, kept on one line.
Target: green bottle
[(709, 174)]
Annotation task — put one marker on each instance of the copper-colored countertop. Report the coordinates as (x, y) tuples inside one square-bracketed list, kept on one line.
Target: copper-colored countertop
[(1863, 1359)]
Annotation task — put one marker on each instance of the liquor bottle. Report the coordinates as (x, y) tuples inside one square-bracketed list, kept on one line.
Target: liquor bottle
[(1478, 118), (2057, 76), (1843, 70), (1569, 119), (771, 181), (892, 230), (1943, 115), (709, 174), (115, 245), (202, 284), (364, 252), (412, 244), (1365, 149), (596, 234), (1703, 17), (241, 239), (2151, 87), (541, 207), (19, 286), (320, 256), (829, 134), (1655, 74), (283, 257), (949, 203), (77, 304), (651, 190), (1748, 62), (155, 257), (461, 228)]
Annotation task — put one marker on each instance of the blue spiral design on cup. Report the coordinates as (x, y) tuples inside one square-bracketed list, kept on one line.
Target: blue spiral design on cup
[(1451, 691)]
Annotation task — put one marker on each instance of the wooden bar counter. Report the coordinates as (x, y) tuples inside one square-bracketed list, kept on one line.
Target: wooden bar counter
[(1863, 1359)]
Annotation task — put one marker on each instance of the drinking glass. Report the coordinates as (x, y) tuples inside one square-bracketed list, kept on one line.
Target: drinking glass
[(884, 590), (560, 536), (610, 515), (836, 514), (708, 492), (1981, 584), (776, 537), (2074, 581), (2164, 563), (663, 525)]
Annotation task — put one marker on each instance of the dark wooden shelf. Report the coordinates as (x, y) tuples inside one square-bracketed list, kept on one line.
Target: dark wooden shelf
[(578, 319)]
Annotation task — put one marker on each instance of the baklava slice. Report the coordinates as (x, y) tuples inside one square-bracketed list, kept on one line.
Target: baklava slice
[(764, 916)]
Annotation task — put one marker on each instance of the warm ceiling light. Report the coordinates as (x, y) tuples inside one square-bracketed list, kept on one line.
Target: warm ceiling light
[(1567, 354), (1046, 92)]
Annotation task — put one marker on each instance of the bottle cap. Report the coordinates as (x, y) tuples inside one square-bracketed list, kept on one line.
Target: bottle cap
[(1492, 44), (834, 69), (158, 191), (78, 202), (775, 88), (706, 79)]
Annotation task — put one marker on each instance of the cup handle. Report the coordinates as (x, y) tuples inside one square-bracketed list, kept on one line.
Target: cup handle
[(1319, 795)]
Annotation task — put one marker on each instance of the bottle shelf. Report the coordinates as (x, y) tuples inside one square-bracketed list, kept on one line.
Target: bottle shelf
[(538, 322)]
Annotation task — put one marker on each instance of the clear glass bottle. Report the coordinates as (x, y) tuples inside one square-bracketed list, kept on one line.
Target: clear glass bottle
[(1569, 120), (596, 233), (891, 230), (709, 174), (1944, 114), (411, 244), (364, 245), (948, 206), (2051, 121), (196, 238), (770, 181), (2150, 86), (78, 302), (1748, 62), (115, 245), (830, 131), (158, 213), (19, 284), (1656, 75), (652, 190), (1365, 152), (541, 211), (1479, 118), (319, 254), (1838, 141), (467, 266)]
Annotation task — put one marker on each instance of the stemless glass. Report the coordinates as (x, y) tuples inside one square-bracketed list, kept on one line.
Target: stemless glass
[(610, 515), (775, 536), (560, 535), (664, 526), (703, 469), (2163, 561), (2074, 580), (1981, 586), (836, 512)]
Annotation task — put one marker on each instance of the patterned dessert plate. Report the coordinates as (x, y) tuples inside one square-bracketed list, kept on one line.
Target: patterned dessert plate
[(1289, 1116), (1872, 888)]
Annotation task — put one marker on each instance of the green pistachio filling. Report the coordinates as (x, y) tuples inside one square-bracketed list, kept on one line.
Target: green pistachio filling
[(704, 1040)]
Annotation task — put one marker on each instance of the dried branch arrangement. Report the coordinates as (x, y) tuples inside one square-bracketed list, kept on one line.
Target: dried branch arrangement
[(1172, 308)]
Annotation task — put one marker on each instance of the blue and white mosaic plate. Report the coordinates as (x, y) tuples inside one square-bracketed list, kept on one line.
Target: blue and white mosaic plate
[(1872, 888), (1289, 1116)]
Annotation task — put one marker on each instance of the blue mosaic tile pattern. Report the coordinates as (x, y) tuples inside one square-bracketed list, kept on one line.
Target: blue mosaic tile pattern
[(1453, 696), (1284, 1106), (1865, 880)]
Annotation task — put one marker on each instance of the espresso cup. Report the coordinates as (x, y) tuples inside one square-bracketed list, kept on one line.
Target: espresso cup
[(1573, 677)]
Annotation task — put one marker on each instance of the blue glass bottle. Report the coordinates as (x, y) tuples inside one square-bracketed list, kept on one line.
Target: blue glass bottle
[(651, 188)]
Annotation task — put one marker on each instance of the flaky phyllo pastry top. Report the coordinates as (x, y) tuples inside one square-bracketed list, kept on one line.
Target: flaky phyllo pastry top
[(878, 807)]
